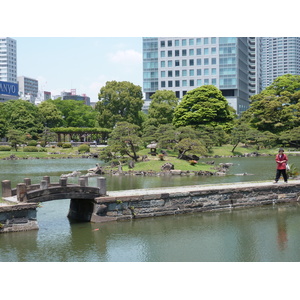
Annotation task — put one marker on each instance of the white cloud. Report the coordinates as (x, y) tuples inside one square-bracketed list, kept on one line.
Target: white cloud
[(126, 56)]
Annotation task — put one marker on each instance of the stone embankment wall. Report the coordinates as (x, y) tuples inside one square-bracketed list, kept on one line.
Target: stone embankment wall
[(118, 207), (19, 217)]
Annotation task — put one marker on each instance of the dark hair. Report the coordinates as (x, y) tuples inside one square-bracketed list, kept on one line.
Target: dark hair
[(280, 149)]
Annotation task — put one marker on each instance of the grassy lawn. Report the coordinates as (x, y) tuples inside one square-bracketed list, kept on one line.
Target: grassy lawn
[(154, 164)]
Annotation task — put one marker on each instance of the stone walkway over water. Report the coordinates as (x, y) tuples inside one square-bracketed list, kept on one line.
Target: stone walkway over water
[(96, 204)]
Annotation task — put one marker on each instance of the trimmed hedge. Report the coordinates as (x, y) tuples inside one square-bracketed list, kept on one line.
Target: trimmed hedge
[(66, 145), (5, 148), (84, 148), (33, 149)]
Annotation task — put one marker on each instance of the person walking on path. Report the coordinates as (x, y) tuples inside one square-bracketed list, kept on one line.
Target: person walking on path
[(281, 160)]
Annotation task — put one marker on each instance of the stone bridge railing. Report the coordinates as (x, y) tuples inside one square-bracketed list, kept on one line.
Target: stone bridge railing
[(46, 191)]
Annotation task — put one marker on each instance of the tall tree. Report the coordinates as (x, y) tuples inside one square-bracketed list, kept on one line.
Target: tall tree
[(125, 140), (75, 113), (51, 116), (118, 102), (285, 83), (22, 115), (204, 105), (162, 107)]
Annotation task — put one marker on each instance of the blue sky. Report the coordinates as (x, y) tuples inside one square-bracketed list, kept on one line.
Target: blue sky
[(81, 63)]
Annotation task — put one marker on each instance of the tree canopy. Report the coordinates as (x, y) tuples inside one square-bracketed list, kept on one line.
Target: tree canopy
[(119, 102), (75, 113), (162, 107), (204, 105)]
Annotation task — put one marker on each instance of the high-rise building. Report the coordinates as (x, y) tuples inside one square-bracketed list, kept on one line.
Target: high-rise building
[(8, 59), (278, 56), (28, 87), (8, 69), (181, 64)]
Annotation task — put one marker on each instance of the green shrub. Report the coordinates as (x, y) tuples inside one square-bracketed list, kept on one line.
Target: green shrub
[(59, 144), (30, 149), (84, 148), (32, 143), (67, 145), (5, 148), (33, 149)]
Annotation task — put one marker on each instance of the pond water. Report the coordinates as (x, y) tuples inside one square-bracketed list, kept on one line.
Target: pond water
[(268, 234)]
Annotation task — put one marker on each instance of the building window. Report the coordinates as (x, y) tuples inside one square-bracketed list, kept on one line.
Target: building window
[(184, 52), (162, 43), (163, 84), (199, 62), (213, 40), (177, 83), (177, 64), (192, 82), (213, 71), (191, 52), (169, 53), (206, 51), (176, 52), (191, 42), (206, 72), (199, 72), (206, 41), (213, 50), (162, 54), (206, 81), (184, 82), (177, 73), (198, 41), (170, 74), (206, 61), (198, 51), (162, 74), (170, 43), (214, 81), (213, 61), (162, 63), (184, 72), (170, 63), (191, 62), (199, 82), (170, 83), (176, 42), (191, 72), (184, 63), (183, 42)]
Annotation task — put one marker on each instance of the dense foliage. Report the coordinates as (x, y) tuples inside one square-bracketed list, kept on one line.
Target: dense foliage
[(201, 120)]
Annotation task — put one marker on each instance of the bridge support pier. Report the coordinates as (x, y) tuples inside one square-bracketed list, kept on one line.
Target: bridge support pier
[(81, 210)]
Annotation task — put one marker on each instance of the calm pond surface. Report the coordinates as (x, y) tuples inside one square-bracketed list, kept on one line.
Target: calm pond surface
[(268, 234)]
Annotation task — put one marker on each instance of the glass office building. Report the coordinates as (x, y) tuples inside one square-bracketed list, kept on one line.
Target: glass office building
[(181, 64)]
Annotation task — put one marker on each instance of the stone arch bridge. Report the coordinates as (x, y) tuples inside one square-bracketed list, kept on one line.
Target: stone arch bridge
[(82, 204)]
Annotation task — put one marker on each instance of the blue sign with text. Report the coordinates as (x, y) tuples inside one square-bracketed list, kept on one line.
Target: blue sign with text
[(9, 88)]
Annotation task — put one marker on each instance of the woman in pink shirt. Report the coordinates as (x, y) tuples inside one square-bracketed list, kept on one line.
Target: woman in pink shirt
[(281, 160)]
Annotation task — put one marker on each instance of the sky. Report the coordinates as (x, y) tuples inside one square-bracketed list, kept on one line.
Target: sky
[(68, 45), (81, 63)]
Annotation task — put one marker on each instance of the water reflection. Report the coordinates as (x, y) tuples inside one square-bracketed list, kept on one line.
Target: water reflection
[(282, 236)]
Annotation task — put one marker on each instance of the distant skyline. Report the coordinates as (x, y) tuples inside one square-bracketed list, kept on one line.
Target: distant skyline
[(81, 63)]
